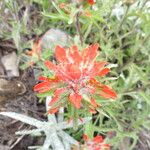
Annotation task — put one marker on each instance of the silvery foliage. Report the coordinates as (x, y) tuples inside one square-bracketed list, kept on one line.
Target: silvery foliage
[(119, 9), (56, 137)]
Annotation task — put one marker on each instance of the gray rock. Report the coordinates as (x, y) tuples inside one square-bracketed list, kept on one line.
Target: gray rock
[(11, 64), (55, 37)]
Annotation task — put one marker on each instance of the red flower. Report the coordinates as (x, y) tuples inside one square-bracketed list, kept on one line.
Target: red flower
[(87, 14), (36, 49), (74, 76), (62, 5), (65, 7), (97, 143), (91, 2)]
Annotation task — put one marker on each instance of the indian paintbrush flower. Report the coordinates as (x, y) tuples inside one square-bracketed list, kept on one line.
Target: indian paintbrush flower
[(74, 80), (91, 2), (97, 143), (36, 49)]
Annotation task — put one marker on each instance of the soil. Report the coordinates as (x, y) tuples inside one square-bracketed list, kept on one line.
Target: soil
[(27, 104)]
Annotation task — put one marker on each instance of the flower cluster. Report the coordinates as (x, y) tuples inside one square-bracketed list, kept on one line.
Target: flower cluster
[(91, 2), (65, 5), (97, 143), (75, 75)]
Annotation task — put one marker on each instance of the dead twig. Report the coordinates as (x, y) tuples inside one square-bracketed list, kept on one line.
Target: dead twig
[(19, 139)]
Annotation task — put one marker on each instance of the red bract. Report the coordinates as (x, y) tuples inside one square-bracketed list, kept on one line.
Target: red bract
[(36, 49), (74, 78), (91, 2), (97, 143)]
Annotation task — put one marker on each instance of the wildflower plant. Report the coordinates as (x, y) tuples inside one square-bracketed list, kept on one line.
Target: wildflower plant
[(73, 79), (78, 85), (97, 143)]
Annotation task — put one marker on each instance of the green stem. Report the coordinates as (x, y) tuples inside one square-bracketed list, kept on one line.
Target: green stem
[(123, 19), (78, 26), (144, 3), (87, 32), (109, 15), (136, 51), (75, 118)]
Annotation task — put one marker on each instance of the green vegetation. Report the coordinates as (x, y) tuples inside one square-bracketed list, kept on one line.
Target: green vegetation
[(123, 33)]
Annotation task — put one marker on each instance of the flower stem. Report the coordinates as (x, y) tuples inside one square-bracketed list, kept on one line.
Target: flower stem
[(124, 18), (75, 118), (78, 26)]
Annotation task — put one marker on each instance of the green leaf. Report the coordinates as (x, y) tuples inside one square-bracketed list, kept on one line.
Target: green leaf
[(145, 97), (16, 33), (89, 130)]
